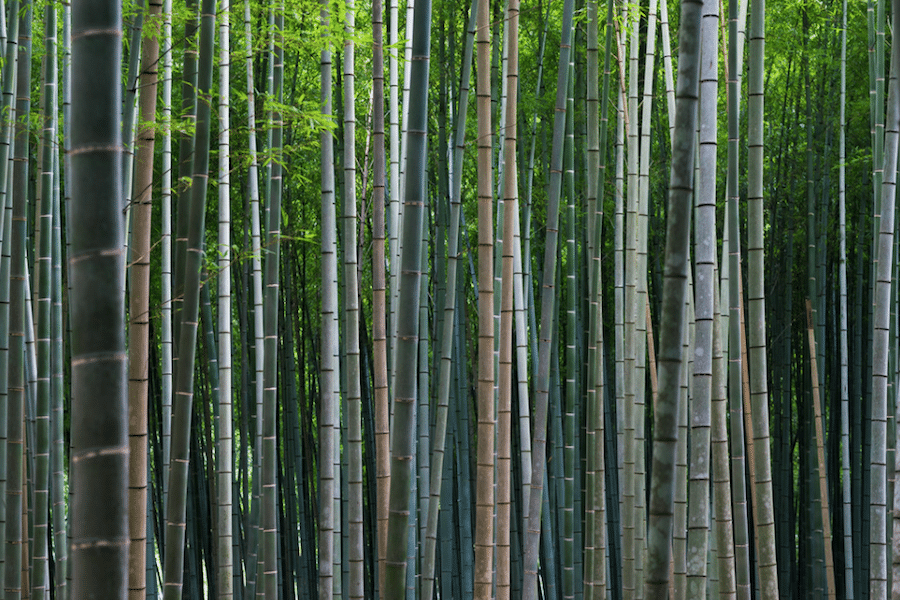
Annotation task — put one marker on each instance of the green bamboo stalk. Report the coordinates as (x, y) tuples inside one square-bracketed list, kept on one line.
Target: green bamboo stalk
[(844, 349), (40, 561), (567, 507), (764, 507), (129, 108), (97, 267), (4, 331), (450, 319), (57, 416), (184, 367), (185, 165)]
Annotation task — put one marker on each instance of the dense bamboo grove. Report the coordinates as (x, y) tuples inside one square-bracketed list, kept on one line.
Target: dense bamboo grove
[(449, 299)]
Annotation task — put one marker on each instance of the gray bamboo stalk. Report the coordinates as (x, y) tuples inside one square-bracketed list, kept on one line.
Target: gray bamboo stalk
[(484, 489), (184, 368), (630, 548), (722, 505), (350, 290), (139, 310), (166, 251), (665, 414), (403, 442), (269, 521), (566, 508), (224, 430), (642, 298), (668, 78), (449, 322), (741, 533), (619, 273), (129, 109), (257, 293), (704, 281), (329, 370), (393, 178), (594, 212), (764, 506), (546, 334), (379, 284), (881, 315), (255, 240), (97, 267)]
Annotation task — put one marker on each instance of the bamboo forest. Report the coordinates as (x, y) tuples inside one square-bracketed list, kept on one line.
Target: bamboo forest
[(449, 299)]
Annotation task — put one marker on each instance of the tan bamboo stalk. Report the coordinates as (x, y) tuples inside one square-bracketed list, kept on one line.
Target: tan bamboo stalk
[(484, 495), (820, 453), (139, 309)]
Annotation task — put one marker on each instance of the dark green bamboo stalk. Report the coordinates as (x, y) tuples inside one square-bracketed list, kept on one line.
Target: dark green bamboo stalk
[(5, 169), (57, 416), (184, 171), (402, 442), (846, 474), (184, 367), (665, 414), (271, 301), (450, 317), (15, 506), (97, 267)]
